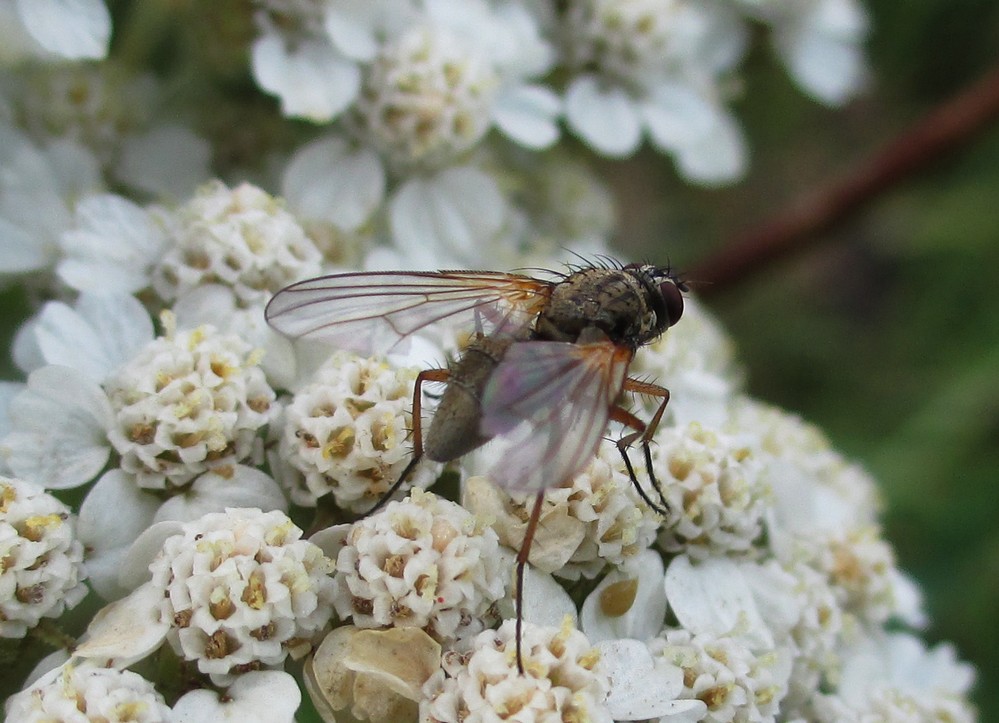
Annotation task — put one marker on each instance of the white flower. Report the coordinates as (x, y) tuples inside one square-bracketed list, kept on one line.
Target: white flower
[(241, 588), (653, 66), (715, 490), (258, 696), (54, 29), (425, 99), (38, 188), (895, 678), (58, 429), (308, 51), (735, 682), (597, 520), (346, 433), (95, 336), (42, 571), (188, 402), (629, 603), (112, 246), (423, 562), (87, 692), (561, 679), (116, 513), (239, 237), (643, 687), (820, 43)]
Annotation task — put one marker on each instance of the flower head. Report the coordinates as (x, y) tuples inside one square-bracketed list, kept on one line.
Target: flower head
[(42, 572), (561, 680), (89, 693), (423, 562), (188, 401), (242, 590), (346, 433), (241, 238)]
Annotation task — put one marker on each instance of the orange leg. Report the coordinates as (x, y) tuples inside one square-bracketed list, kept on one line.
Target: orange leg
[(427, 375), (644, 432)]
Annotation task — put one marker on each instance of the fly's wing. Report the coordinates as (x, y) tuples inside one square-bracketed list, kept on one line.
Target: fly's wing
[(548, 403), (373, 312)]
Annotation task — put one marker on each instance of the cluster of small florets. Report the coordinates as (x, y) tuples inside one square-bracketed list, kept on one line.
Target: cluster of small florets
[(734, 681), (242, 238), (189, 401), (424, 562), (346, 433), (89, 693), (715, 489), (560, 680), (424, 99), (596, 521), (242, 590), (41, 560)]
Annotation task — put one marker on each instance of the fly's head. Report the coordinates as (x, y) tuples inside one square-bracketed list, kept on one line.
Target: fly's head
[(662, 298)]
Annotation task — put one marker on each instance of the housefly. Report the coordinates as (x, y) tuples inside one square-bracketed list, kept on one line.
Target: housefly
[(543, 373)]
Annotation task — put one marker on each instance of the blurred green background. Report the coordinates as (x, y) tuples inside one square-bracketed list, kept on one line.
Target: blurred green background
[(886, 333)]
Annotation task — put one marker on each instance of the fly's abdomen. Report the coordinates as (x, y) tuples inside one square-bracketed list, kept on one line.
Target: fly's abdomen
[(455, 429)]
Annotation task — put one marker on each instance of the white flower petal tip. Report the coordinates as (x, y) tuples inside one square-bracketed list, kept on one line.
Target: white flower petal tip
[(628, 603), (262, 696), (642, 687), (125, 631), (606, 118)]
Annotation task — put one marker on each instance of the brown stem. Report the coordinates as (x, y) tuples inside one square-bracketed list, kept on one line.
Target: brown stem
[(947, 128)]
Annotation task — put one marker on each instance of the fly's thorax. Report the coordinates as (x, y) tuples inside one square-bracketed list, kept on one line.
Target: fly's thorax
[(615, 301)]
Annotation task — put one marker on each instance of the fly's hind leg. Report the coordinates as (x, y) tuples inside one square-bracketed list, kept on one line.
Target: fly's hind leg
[(427, 375), (643, 432)]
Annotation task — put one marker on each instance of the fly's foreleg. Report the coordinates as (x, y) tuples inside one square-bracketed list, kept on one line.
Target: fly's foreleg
[(643, 432), (427, 375)]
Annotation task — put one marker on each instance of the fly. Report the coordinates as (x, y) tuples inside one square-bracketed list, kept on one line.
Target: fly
[(542, 375)]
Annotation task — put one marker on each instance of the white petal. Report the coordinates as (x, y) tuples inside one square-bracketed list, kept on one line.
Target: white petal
[(717, 158), (328, 180), (312, 81), (95, 338), (829, 69), (126, 630), (644, 619), (112, 248), (676, 114), (72, 29), (546, 602), (134, 570), (212, 492), (713, 597), (605, 118), (459, 209), (640, 687), (20, 251), (60, 425), (267, 696), (113, 515), (169, 161), (528, 115), (350, 25)]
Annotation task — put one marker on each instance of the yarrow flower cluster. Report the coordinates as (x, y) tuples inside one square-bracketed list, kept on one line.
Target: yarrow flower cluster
[(346, 433), (42, 570), (229, 484), (189, 401), (424, 562), (240, 590)]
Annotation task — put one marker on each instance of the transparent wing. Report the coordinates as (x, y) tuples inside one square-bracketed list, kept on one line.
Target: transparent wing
[(548, 404), (373, 312)]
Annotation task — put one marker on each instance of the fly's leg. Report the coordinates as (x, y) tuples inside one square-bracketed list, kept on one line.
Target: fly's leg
[(522, 555), (643, 432), (427, 375)]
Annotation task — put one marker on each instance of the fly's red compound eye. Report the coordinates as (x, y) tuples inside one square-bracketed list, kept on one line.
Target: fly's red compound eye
[(673, 300)]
